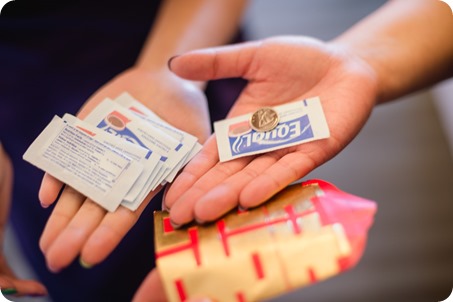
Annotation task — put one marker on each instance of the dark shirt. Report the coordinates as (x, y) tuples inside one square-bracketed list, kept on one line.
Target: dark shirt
[(53, 56)]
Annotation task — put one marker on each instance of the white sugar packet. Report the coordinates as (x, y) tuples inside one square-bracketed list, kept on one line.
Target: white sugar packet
[(188, 143), (146, 158), (84, 163), (117, 120), (300, 122)]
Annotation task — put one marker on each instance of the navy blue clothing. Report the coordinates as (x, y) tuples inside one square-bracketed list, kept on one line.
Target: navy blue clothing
[(53, 56)]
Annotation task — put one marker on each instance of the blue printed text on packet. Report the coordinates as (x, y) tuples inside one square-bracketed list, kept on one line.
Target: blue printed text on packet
[(300, 122)]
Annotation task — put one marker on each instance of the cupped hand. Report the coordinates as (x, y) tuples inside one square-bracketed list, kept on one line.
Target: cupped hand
[(278, 70), (77, 225), (9, 283)]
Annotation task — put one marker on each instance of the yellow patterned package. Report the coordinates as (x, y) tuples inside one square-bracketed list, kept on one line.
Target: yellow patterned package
[(304, 234)]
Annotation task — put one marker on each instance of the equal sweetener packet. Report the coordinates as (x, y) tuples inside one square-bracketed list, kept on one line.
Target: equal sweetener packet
[(144, 157), (188, 143), (86, 164), (300, 122), (304, 234), (117, 120)]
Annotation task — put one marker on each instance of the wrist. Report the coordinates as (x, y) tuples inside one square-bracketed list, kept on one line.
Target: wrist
[(362, 65), (372, 61)]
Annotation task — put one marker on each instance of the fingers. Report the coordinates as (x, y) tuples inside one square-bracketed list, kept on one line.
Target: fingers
[(199, 165), (48, 192), (276, 177), (20, 288), (215, 63), (246, 182), (198, 183), (225, 196), (151, 290), (70, 231), (68, 205), (79, 226), (10, 285), (110, 232)]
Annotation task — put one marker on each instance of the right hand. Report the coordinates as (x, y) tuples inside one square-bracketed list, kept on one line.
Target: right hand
[(9, 283), (278, 70)]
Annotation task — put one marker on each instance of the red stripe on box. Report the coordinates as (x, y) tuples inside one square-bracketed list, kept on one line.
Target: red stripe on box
[(289, 209), (167, 225), (173, 250), (291, 216), (180, 289), (240, 297), (193, 233), (223, 237), (312, 275), (258, 265), (343, 263), (192, 244)]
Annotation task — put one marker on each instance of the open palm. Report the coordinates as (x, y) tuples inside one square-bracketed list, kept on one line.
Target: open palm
[(279, 70), (77, 225)]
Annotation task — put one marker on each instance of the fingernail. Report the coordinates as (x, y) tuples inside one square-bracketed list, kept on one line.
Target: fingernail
[(9, 291), (242, 208), (175, 225), (85, 264), (45, 206), (164, 207), (53, 269), (169, 61), (199, 221), (200, 300)]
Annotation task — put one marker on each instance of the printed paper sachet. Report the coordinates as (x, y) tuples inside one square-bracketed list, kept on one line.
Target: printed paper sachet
[(84, 163), (299, 122)]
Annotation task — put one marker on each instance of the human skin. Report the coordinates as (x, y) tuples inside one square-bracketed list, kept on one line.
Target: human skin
[(9, 283), (77, 225), (389, 54)]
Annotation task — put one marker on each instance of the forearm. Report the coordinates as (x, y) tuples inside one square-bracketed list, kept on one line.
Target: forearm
[(5, 190), (186, 25), (407, 42)]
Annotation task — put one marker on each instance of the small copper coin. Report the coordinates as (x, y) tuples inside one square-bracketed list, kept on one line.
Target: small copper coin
[(264, 119)]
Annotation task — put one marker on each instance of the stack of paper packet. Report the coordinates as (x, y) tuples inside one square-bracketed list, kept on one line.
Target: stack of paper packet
[(118, 154)]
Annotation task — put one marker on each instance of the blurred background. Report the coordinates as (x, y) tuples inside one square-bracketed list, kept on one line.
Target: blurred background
[(402, 159)]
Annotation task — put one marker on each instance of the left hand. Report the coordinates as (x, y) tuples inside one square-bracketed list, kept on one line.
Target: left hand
[(77, 225), (279, 70), (9, 283)]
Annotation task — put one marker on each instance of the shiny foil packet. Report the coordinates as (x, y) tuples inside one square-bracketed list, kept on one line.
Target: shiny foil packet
[(304, 234)]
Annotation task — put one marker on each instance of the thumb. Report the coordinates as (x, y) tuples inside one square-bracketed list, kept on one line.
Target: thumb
[(231, 61)]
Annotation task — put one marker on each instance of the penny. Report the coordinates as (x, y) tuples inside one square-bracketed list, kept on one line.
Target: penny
[(264, 119)]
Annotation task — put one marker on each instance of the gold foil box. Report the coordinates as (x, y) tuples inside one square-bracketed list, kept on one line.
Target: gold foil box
[(306, 233)]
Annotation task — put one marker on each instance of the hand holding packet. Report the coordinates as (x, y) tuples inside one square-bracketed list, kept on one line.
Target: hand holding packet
[(142, 152), (88, 165), (299, 122)]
